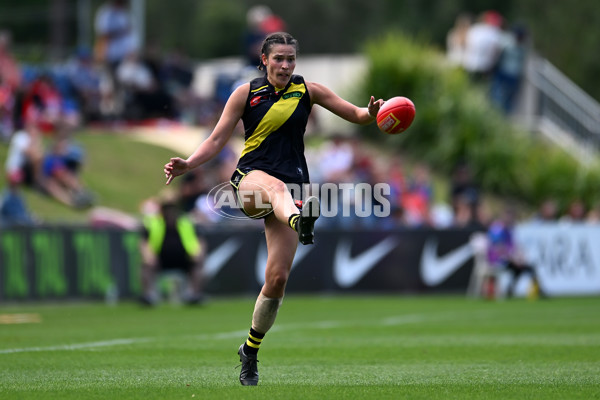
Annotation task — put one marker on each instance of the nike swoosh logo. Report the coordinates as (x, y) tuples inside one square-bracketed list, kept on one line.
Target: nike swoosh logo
[(434, 269), (348, 270), (219, 257), (261, 260)]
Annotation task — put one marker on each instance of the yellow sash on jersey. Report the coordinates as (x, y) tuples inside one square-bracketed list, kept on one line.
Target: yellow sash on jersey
[(275, 117)]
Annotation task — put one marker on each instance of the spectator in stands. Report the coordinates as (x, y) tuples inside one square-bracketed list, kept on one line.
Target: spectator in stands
[(86, 78), (170, 243), (548, 211), (576, 212), (421, 182), (207, 190), (593, 215), (416, 201), (464, 190), (144, 97), (441, 216), (178, 73), (9, 67), (153, 59), (25, 155), (395, 177), (254, 34), (115, 36), (61, 180), (115, 39), (456, 39), (261, 21), (510, 69), (504, 253), (466, 212), (7, 105), (483, 46), (13, 207), (42, 103), (193, 184), (363, 165), (10, 86), (337, 160)]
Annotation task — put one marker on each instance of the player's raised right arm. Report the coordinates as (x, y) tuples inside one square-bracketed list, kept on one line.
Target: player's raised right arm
[(209, 148)]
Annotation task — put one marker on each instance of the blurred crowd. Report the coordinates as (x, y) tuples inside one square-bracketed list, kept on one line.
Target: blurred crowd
[(348, 163), (493, 52), (42, 108), (37, 123), (117, 82)]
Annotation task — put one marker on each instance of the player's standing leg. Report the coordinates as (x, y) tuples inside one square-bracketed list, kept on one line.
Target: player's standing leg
[(281, 244)]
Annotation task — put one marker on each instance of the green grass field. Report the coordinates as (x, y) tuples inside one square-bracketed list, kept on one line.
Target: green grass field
[(371, 347)]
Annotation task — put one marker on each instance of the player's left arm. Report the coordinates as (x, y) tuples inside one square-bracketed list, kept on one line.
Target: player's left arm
[(326, 98)]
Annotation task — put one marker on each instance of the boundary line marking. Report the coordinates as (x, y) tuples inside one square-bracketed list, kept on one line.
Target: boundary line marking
[(326, 324)]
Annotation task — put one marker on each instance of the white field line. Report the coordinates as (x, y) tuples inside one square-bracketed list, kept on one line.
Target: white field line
[(78, 346), (219, 336)]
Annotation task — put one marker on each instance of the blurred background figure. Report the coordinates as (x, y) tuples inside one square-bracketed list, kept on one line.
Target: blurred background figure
[(86, 78), (170, 244), (178, 75), (593, 215), (10, 85), (504, 255), (115, 39), (576, 212), (115, 36), (465, 196), (260, 21), (547, 212), (456, 40), (483, 46), (43, 103), (510, 69), (25, 155), (417, 200), (60, 171), (142, 93), (254, 34), (13, 207)]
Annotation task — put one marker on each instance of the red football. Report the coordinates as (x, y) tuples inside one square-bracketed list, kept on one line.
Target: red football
[(396, 115)]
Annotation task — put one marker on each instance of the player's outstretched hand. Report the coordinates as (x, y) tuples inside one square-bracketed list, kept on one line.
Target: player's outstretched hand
[(175, 167), (374, 106)]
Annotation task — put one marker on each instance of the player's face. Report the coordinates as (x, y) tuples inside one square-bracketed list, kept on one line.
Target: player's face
[(280, 64)]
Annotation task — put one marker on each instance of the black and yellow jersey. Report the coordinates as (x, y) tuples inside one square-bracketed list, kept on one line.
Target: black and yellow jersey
[(274, 125)]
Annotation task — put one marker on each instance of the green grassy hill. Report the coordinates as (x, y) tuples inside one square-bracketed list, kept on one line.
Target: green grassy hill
[(121, 171)]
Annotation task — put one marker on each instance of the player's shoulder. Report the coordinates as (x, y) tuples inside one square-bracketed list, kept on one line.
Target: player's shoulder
[(317, 90), (258, 82), (241, 91), (297, 79)]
